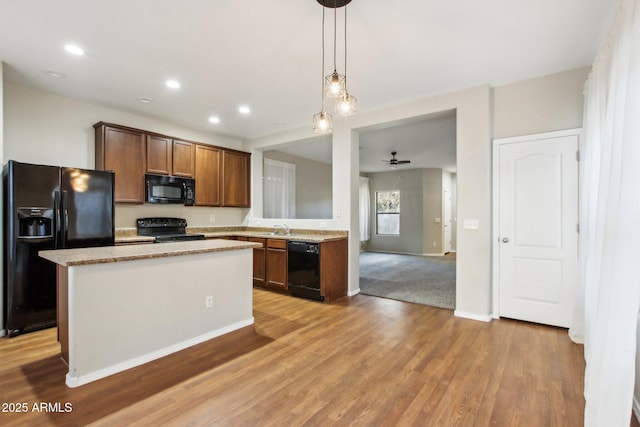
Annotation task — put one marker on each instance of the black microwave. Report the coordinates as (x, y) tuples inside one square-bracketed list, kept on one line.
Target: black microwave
[(170, 189)]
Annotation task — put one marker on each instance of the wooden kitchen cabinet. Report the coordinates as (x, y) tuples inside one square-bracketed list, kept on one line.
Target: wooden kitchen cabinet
[(236, 173), (122, 150), (276, 264), (334, 269), (184, 159), (259, 262), (166, 156), (207, 175), (159, 155)]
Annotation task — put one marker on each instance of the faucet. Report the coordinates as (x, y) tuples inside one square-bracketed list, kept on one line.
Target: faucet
[(285, 230)]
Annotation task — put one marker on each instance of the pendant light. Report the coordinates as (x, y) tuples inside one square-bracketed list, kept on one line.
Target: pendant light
[(322, 122), (346, 104), (334, 85)]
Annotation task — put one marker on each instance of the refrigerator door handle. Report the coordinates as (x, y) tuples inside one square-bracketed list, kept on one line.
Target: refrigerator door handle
[(56, 207), (65, 210)]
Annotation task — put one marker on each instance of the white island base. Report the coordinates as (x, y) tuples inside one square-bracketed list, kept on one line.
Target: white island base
[(119, 312)]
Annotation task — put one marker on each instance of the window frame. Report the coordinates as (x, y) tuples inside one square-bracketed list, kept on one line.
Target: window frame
[(395, 211)]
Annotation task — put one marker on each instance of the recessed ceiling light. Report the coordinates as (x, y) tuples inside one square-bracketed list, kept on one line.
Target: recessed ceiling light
[(73, 49), (144, 100), (244, 109), (55, 74), (214, 119), (173, 84), (278, 124)]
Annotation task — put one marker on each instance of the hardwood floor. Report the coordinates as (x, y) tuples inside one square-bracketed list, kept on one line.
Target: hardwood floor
[(359, 361)]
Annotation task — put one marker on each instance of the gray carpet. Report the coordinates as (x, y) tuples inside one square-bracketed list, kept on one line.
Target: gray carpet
[(428, 280)]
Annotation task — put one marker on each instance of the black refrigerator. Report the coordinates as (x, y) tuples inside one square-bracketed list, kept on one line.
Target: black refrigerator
[(48, 207)]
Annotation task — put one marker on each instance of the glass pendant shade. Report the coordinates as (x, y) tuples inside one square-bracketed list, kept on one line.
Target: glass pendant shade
[(322, 122), (334, 85), (346, 104)]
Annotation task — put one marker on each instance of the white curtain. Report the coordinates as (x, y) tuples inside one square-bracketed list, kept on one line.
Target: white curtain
[(609, 290), (364, 203), (279, 189)]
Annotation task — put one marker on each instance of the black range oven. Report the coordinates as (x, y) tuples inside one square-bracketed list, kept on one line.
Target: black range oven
[(304, 269), (166, 229)]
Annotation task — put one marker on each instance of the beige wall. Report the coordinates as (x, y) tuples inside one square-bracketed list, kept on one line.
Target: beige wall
[(409, 183), (313, 185), (543, 104), (48, 129)]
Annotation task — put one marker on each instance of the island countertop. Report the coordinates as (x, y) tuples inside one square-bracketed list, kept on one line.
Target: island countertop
[(108, 254)]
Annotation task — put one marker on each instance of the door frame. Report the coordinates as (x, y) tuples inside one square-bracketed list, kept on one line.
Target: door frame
[(495, 203)]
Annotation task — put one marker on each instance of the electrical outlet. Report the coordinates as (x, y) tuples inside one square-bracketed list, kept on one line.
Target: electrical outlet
[(208, 302), (212, 218), (434, 244)]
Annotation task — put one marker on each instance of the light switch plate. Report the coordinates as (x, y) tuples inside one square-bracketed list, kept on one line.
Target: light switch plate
[(471, 224)]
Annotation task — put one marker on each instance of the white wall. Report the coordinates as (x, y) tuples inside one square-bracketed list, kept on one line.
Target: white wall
[(43, 128)]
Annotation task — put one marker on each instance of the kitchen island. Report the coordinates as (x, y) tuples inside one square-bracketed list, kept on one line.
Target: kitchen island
[(122, 306)]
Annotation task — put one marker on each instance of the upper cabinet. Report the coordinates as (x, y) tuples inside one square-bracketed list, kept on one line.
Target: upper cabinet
[(207, 176), (184, 159), (236, 170), (222, 175), (159, 155), (166, 156), (122, 151)]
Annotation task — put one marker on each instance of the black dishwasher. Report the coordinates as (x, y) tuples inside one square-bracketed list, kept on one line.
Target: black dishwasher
[(304, 269)]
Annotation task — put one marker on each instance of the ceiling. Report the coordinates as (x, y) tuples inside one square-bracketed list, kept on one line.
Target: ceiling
[(266, 55)]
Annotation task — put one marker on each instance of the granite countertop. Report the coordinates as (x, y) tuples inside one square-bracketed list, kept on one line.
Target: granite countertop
[(129, 235), (108, 254)]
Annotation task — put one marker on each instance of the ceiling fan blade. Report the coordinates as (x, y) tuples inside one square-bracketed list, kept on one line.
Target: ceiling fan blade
[(401, 162)]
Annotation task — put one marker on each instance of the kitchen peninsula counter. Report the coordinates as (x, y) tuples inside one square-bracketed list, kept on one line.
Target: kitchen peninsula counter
[(108, 254), (122, 306), (129, 235)]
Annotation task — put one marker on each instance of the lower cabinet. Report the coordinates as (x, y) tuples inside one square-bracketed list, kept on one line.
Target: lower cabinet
[(276, 264)]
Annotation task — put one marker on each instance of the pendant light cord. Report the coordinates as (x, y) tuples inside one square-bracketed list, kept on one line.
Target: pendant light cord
[(345, 48), (322, 74), (335, 32)]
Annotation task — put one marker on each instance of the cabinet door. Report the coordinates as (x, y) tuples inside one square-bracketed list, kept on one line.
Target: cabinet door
[(236, 172), (277, 268), (122, 151), (184, 159), (207, 176), (159, 155), (259, 263)]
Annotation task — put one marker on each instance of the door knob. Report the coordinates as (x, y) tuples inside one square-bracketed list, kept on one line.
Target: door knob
[(505, 240)]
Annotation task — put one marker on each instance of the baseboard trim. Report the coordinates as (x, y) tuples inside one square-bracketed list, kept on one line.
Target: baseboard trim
[(354, 292), (2, 332), (473, 316), (636, 408), (403, 253), (75, 381)]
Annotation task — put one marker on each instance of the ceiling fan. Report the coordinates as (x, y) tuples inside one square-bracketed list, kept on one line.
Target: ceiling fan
[(393, 162)]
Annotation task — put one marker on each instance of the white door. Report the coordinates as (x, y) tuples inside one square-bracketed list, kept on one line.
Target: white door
[(537, 243), (446, 223)]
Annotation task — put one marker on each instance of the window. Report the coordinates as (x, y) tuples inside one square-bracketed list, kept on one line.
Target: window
[(388, 212)]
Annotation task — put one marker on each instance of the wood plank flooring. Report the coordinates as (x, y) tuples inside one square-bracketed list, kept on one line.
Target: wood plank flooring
[(361, 361)]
